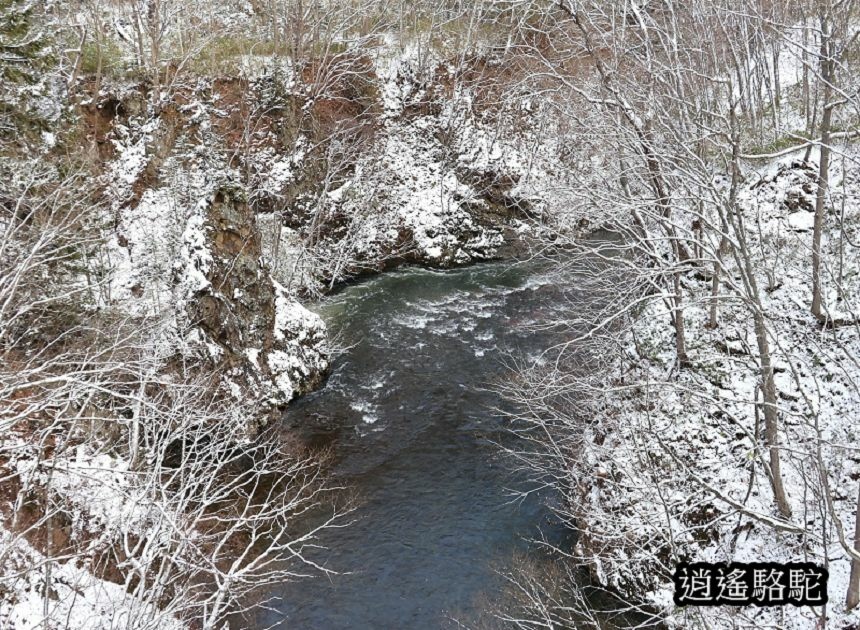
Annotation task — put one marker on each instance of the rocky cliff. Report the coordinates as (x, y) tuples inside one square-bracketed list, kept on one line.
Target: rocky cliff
[(231, 200)]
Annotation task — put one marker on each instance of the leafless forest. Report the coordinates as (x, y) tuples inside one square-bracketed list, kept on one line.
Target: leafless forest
[(180, 180)]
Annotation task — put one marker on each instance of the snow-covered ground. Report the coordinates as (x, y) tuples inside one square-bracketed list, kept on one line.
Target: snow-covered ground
[(101, 502), (673, 465), (76, 598)]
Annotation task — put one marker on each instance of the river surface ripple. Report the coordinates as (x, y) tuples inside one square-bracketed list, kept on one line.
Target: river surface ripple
[(414, 430)]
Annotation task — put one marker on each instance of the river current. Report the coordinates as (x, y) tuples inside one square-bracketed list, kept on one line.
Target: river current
[(416, 431)]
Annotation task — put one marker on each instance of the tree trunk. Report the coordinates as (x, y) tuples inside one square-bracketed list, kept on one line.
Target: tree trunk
[(840, 291), (49, 547), (273, 12), (823, 176), (722, 250), (76, 69), (768, 384), (853, 596), (680, 337), (153, 18), (744, 261), (771, 436), (777, 84), (805, 81), (298, 31), (713, 319), (138, 33), (97, 83)]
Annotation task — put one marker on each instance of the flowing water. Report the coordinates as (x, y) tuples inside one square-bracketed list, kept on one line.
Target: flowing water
[(414, 431)]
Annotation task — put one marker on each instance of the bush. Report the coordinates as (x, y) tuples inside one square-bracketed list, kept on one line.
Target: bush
[(111, 58), (223, 54)]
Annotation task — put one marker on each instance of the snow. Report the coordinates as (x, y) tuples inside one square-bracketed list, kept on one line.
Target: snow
[(161, 256), (290, 315), (132, 158), (660, 430), (100, 498), (302, 336), (78, 600), (801, 221), (282, 366), (99, 487), (398, 66), (151, 236), (274, 172), (195, 257), (415, 190)]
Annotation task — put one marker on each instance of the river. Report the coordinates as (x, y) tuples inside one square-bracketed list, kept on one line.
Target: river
[(414, 430)]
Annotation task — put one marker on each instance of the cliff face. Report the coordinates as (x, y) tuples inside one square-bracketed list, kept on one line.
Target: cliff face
[(232, 200), (183, 248), (268, 343)]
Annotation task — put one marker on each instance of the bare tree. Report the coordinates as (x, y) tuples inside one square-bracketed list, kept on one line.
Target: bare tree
[(211, 515)]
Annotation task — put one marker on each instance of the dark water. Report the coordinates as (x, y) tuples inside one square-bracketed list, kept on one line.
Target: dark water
[(413, 427)]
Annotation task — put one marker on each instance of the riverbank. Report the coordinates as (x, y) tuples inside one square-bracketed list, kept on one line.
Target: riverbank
[(667, 465)]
